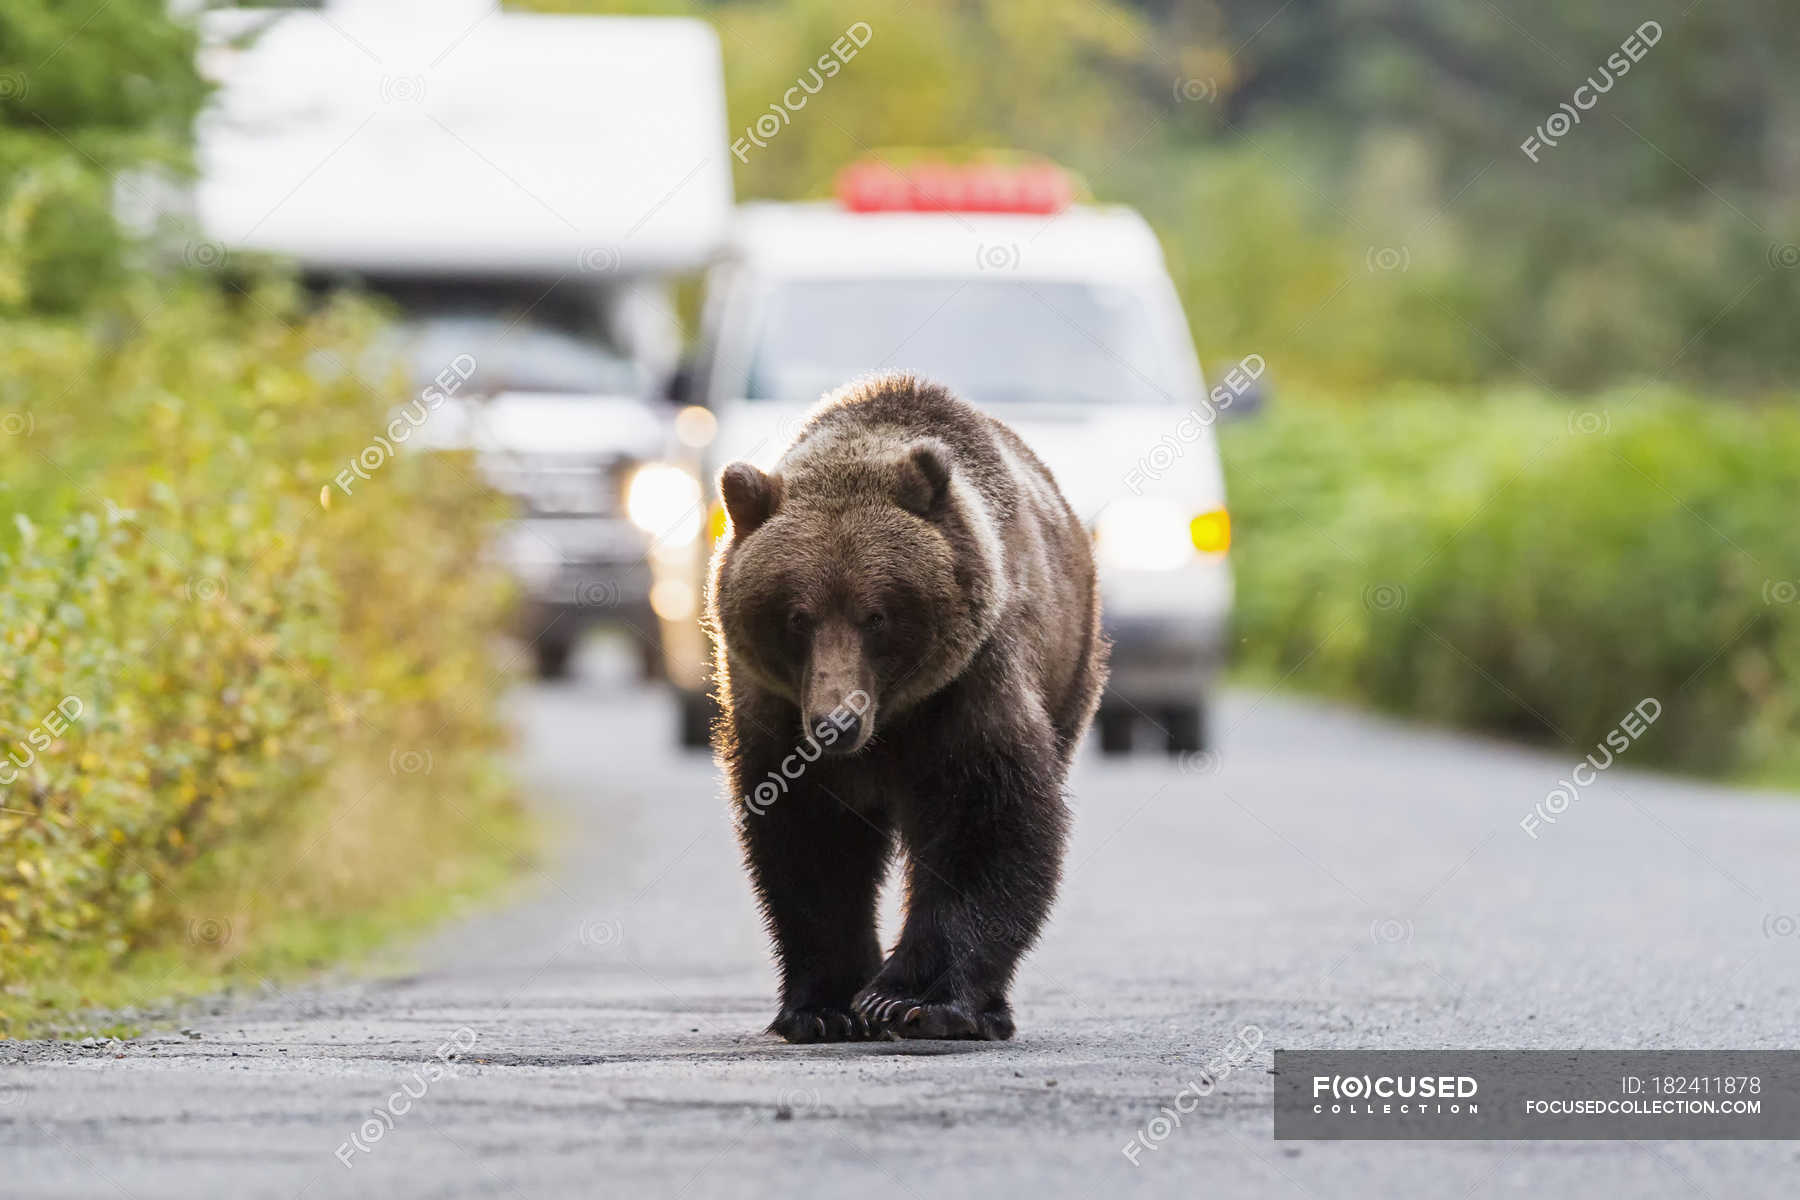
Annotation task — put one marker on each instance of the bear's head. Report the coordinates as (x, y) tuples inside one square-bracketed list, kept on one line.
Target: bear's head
[(840, 588)]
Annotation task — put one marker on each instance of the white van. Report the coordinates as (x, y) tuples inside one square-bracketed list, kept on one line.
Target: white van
[(1060, 320)]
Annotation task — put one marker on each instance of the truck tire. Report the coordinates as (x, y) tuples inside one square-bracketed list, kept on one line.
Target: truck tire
[(649, 656), (552, 655), (1187, 729)]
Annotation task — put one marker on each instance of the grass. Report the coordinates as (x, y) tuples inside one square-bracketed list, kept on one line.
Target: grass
[(231, 934)]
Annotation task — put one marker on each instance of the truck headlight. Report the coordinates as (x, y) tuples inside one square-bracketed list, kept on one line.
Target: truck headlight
[(533, 559), (664, 501), (1149, 533)]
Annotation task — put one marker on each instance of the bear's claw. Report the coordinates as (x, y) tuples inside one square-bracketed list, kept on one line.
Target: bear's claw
[(820, 1025), (908, 1017)]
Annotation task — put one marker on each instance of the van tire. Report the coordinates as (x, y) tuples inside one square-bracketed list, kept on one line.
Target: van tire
[(698, 713), (1115, 725)]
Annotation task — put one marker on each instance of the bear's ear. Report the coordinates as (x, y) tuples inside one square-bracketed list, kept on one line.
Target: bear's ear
[(924, 479), (751, 496)]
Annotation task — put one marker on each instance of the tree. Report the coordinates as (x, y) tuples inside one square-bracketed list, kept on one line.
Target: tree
[(87, 91)]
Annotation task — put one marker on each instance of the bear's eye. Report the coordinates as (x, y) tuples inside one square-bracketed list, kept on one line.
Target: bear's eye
[(798, 620), (874, 623)]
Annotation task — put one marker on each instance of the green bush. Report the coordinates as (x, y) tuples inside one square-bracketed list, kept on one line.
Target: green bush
[(278, 706), (1520, 566)]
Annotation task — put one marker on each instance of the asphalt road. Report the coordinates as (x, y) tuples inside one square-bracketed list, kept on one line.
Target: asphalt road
[(1331, 881)]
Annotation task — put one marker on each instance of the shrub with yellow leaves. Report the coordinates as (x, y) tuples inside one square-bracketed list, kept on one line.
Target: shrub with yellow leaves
[(208, 679)]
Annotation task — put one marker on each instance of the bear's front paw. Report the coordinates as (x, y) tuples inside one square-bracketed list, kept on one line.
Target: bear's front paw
[(895, 1014), (820, 1025)]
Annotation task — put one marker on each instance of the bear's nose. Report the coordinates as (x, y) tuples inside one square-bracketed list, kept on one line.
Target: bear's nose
[(840, 733)]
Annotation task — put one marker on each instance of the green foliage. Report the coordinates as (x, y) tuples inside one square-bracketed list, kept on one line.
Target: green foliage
[(1657, 237), (90, 95), (1512, 565), (1260, 273), (279, 708)]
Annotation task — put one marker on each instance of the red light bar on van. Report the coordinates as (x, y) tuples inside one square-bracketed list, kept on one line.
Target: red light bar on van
[(942, 187)]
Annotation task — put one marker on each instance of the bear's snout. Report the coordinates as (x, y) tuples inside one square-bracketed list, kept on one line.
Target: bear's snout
[(837, 704), (845, 727), (840, 734)]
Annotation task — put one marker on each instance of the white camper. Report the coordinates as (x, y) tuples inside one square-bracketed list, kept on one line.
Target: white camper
[(521, 187)]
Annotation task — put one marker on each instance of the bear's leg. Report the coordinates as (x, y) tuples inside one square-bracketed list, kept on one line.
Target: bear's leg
[(984, 846), (816, 866)]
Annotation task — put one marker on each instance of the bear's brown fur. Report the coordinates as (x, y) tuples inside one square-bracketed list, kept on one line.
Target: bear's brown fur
[(907, 627)]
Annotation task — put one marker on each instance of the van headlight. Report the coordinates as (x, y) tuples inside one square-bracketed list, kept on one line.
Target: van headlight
[(1150, 533), (663, 500)]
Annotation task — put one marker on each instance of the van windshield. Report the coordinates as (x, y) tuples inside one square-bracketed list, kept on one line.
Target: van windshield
[(991, 341)]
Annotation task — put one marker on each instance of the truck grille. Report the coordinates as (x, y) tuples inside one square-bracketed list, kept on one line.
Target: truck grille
[(564, 487)]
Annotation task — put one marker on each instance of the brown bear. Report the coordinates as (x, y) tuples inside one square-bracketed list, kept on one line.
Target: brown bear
[(907, 631)]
